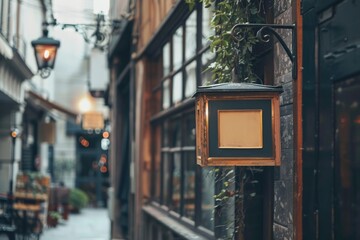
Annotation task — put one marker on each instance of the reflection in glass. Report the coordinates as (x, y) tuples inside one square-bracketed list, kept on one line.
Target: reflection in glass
[(176, 182), (178, 48), (347, 158), (189, 184), (177, 88), (207, 200), (166, 59), (166, 94), (190, 84), (190, 26), (189, 134)]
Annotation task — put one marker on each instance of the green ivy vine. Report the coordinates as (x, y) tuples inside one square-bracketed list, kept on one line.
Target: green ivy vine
[(232, 56)]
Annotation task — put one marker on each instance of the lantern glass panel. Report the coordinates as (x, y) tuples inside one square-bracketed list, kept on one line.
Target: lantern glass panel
[(45, 56)]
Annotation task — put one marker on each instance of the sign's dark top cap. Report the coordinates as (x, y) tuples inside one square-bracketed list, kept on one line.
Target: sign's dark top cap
[(237, 87)]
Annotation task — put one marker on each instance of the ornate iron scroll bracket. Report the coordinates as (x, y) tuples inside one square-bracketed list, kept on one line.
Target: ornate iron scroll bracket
[(263, 34)]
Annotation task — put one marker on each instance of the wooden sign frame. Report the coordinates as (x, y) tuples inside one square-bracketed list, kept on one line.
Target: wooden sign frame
[(264, 150)]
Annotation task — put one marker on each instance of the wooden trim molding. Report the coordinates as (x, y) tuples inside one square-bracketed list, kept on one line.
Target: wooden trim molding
[(298, 134), (176, 16)]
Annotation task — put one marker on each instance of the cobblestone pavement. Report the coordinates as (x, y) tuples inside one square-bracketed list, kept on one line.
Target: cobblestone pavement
[(90, 224)]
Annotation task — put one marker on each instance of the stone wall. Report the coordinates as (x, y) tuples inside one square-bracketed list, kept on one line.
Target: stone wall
[(283, 186)]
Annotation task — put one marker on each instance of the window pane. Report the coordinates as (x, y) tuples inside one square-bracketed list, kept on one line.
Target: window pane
[(190, 84), (207, 200), (166, 59), (207, 31), (176, 182), (176, 133), (178, 48), (177, 88), (206, 74), (228, 214), (189, 134), (166, 177), (166, 94), (157, 164), (190, 26), (189, 184), (165, 134)]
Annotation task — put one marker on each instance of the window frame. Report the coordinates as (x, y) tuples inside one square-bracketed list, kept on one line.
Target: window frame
[(180, 111)]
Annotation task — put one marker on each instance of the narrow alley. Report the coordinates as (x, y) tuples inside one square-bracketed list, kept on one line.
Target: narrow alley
[(90, 224), (179, 119)]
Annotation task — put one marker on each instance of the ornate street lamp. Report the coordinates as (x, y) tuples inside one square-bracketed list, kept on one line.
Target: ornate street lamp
[(45, 53)]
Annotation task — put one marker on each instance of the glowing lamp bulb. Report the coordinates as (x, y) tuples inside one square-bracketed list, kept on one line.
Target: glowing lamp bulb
[(85, 105), (13, 134), (46, 54)]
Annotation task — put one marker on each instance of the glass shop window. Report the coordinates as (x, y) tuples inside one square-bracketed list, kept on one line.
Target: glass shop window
[(175, 173)]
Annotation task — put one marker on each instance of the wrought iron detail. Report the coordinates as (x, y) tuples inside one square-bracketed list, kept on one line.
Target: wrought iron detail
[(263, 34), (96, 33)]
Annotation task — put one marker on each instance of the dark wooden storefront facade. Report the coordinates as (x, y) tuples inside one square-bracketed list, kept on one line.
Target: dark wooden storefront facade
[(331, 160)]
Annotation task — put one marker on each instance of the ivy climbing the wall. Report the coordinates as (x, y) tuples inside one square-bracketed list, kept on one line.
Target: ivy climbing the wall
[(234, 62), (232, 57)]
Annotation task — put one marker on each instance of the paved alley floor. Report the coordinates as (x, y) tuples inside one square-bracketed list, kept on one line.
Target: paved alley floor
[(90, 224)]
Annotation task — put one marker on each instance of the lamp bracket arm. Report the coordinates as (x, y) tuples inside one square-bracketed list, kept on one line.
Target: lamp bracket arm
[(263, 34)]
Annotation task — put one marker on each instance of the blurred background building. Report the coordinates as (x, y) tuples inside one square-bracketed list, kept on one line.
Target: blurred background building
[(48, 112)]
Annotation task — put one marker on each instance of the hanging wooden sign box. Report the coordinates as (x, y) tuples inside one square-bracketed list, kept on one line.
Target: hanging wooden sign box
[(238, 124)]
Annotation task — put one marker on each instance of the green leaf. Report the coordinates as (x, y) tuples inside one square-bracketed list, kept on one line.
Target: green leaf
[(191, 4)]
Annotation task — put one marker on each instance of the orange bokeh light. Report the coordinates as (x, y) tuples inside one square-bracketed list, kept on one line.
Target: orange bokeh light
[(106, 134), (13, 134), (103, 169)]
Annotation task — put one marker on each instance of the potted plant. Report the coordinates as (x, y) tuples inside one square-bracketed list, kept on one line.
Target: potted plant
[(78, 200), (53, 218)]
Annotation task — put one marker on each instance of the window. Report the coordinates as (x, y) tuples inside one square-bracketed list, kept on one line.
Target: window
[(176, 186), (4, 10), (185, 190)]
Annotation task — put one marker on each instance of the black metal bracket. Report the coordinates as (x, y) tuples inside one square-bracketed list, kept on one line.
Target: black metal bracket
[(263, 34)]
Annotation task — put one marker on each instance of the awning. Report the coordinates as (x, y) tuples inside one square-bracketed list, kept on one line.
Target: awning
[(48, 105)]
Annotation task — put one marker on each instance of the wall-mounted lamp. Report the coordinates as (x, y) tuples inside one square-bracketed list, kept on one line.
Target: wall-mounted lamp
[(45, 53)]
